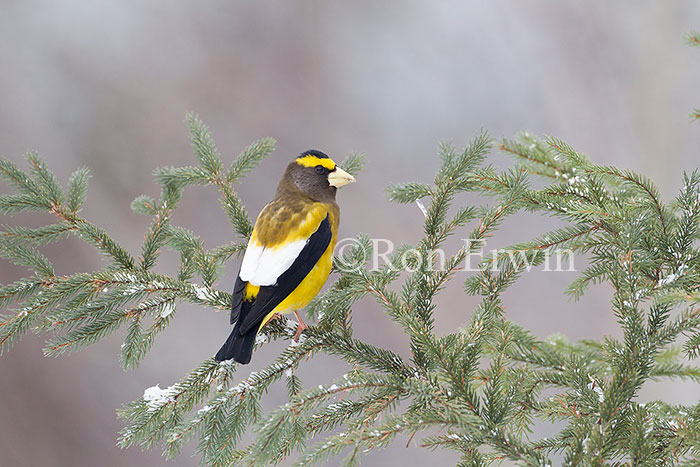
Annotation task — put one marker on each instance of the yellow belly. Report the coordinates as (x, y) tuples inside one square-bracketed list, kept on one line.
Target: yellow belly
[(308, 288)]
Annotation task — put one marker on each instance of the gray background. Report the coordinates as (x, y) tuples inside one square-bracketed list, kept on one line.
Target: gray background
[(106, 84)]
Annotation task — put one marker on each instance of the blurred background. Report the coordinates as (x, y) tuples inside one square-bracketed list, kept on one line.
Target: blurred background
[(106, 84)]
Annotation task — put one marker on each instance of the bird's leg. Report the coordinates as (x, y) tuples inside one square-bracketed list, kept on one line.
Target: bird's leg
[(300, 328), (274, 317)]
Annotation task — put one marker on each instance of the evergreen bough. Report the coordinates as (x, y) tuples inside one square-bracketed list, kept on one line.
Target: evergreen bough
[(478, 391)]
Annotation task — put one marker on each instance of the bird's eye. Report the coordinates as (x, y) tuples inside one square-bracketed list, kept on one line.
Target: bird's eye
[(320, 169)]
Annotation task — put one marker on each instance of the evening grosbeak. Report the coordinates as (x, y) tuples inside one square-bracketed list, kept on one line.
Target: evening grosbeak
[(290, 252)]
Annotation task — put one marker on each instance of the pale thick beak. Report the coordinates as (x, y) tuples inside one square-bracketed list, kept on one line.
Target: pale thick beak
[(339, 178)]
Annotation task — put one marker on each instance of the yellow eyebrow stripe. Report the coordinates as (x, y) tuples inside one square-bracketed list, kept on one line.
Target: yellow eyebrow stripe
[(313, 161)]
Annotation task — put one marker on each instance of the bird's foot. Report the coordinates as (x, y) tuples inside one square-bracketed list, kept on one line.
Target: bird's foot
[(272, 318), (300, 328)]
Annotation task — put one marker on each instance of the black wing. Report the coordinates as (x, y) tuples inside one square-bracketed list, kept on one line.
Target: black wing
[(237, 298), (270, 296)]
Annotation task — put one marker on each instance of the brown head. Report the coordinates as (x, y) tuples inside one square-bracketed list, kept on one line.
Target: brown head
[(315, 175)]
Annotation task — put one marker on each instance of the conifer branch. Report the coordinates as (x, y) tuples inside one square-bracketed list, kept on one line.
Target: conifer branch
[(478, 390)]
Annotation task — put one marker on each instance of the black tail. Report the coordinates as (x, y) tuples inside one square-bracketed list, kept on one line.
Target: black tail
[(239, 346)]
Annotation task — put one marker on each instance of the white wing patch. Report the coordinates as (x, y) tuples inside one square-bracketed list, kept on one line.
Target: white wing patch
[(263, 266)]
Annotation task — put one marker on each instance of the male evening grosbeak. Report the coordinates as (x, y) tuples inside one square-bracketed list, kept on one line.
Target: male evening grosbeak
[(290, 252)]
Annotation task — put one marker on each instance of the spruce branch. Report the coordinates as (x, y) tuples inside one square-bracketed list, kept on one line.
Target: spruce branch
[(693, 38), (480, 390)]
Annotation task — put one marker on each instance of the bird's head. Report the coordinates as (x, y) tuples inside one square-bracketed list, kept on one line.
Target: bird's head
[(316, 175)]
